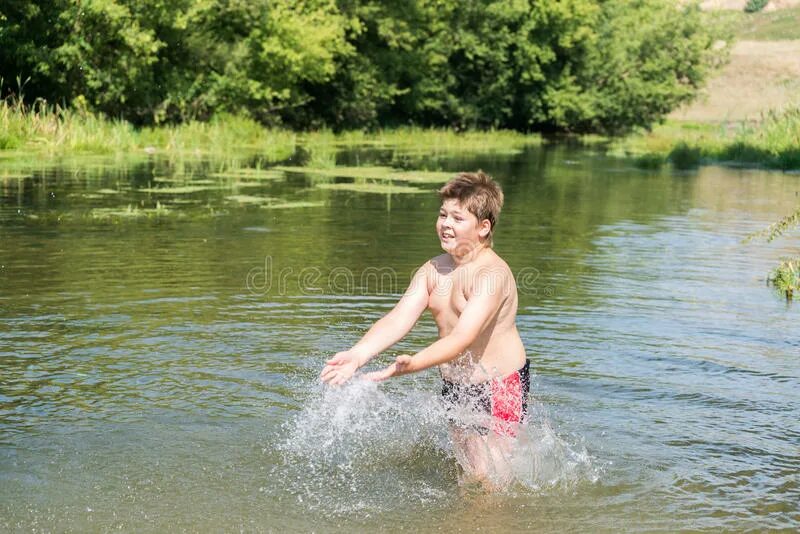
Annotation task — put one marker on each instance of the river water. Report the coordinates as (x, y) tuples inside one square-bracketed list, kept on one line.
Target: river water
[(158, 369)]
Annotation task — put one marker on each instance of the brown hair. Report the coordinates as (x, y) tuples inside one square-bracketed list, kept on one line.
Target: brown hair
[(478, 193)]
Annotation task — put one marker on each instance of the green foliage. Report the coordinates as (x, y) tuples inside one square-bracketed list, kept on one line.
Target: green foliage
[(786, 277), (573, 65), (772, 142), (649, 161), (684, 156), (753, 6)]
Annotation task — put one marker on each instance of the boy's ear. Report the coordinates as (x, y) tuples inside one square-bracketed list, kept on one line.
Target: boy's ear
[(484, 228)]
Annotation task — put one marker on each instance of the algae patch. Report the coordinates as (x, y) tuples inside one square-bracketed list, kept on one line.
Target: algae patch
[(384, 189), (293, 205), (251, 174), (179, 190), (249, 199), (374, 173)]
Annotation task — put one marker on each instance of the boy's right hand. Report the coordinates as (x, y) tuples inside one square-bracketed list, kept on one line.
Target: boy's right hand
[(340, 368)]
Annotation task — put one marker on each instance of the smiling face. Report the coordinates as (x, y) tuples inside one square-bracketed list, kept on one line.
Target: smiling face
[(459, 230)]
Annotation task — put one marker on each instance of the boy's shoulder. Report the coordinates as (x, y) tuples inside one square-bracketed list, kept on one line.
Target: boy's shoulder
[(492, 262)]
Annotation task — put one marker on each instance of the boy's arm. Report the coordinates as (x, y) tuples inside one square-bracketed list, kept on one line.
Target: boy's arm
[(480, 310), (383, 334)]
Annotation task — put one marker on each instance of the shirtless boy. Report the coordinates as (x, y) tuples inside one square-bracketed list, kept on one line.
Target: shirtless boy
[(472, 296)]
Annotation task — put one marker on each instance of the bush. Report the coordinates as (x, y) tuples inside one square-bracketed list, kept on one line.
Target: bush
[(753, 6), (684, 156)]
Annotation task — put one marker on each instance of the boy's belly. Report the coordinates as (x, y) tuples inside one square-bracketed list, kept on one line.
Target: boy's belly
[(482, 362)]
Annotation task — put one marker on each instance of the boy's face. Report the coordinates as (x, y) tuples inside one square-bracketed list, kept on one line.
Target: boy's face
[(459, 229)]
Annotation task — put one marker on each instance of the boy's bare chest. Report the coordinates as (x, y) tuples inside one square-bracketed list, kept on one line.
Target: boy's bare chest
[(448, 294)]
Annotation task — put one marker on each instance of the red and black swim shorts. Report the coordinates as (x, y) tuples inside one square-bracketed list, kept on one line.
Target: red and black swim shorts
[(505, 399)]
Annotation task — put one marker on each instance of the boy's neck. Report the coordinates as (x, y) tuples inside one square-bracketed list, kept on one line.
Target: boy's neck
[(470, 255)]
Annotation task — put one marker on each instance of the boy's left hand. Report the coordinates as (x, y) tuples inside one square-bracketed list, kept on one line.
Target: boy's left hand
[(401, 366)]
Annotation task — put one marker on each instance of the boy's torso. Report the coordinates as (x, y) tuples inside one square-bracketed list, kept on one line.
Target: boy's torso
[(498, 349)]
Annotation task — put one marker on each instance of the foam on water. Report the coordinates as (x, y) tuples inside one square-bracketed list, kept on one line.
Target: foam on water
[(365, 448)]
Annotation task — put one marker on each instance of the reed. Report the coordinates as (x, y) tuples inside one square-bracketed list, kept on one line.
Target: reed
[(52, 130)]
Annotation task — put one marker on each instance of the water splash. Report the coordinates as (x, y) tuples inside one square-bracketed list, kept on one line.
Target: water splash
[(367, 448)]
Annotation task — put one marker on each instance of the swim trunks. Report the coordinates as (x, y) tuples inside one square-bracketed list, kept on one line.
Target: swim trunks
[(504, 399)]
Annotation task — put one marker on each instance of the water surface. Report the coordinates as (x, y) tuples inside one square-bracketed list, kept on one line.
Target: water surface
[(158, 369)]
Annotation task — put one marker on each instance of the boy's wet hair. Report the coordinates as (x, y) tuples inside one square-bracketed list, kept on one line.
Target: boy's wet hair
[(478, 193)]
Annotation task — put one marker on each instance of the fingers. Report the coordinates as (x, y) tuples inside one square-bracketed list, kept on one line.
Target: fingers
[(336, 360), (377, 376), (327, 372), (335, 379)]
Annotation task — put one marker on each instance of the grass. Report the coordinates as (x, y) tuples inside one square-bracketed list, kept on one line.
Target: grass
[(771, 142), (778, 25), (40, 137), (41, 130)]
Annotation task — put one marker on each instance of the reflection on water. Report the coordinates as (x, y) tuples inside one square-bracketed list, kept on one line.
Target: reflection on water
[(145, 386)]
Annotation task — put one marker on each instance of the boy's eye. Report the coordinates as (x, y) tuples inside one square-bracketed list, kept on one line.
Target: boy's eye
[(459, 219)]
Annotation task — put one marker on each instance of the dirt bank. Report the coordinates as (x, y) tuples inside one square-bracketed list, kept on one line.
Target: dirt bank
[(762, 75), (738, 5)]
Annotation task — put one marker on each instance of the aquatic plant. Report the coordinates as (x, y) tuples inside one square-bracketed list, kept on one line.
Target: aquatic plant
[(778, 228), (786, 277), (249, 174), (381, 188), (373, 173), (295, 204), (249, 199), (412, 139), (179, 190), (129, 212)]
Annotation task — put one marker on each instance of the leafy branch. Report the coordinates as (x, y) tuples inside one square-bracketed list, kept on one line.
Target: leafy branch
[(777, 229)]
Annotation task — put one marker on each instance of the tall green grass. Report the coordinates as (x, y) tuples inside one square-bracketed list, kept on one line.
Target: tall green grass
[(54, 130), (772, 142), (41, 129)]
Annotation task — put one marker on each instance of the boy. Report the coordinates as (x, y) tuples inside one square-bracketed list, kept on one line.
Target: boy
[(472, 295)]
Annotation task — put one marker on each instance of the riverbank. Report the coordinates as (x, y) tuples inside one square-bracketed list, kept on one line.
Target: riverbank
[(46, 132), (40, 134), (772, 142), (748, 116), (749, 112)]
